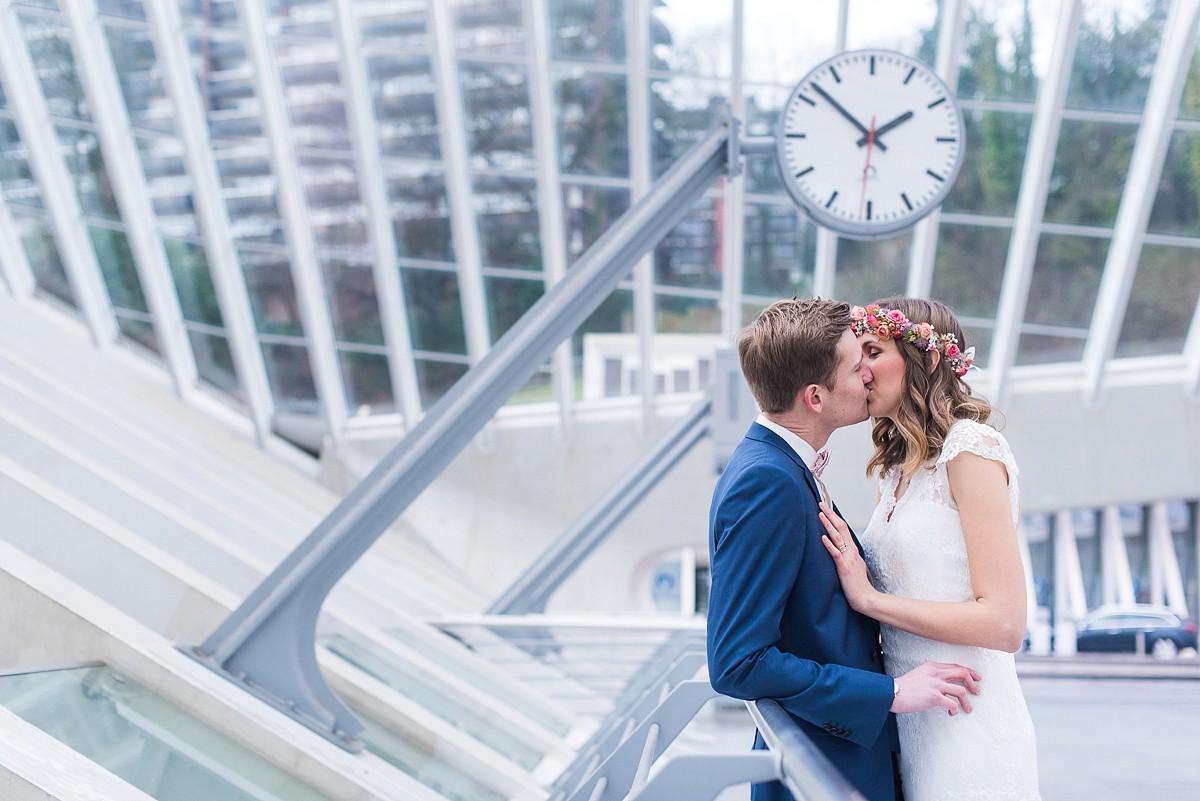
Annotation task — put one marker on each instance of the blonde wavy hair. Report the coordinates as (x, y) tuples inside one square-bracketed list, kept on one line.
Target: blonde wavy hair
[(934, 398)]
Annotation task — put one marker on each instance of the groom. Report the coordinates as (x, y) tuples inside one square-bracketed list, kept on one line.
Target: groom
[(778, 624)]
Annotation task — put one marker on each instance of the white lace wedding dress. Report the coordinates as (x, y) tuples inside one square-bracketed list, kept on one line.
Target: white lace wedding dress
[(915, 548)]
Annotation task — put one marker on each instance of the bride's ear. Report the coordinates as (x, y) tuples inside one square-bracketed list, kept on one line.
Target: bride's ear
[(935, 361)]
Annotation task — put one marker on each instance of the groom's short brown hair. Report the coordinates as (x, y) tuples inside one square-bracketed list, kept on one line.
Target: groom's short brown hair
[(791, 344)]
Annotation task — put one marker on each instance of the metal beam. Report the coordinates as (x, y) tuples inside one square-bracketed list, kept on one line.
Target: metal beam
[(1141, 188), (637, 89), (533, 589), (1031, 202), (267, 645)]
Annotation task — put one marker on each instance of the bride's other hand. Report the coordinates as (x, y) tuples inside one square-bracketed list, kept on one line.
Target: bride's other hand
[(852, 570)]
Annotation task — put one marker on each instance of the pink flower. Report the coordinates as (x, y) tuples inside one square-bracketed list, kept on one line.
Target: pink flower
[(857, 313), (925, 331), (952, 350), (883, 332), (897, 316)]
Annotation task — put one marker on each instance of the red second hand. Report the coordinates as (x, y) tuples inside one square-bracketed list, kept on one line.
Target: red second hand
[(862, 200)]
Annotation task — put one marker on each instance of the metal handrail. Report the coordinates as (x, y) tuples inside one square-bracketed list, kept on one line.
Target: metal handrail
[(807, 773)]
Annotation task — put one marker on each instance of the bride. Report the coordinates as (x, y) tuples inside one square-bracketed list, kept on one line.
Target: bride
[(941, 548)]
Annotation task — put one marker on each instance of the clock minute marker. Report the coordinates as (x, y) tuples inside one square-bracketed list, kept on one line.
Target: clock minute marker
[(832, 198), (908, 77), (934, 175), (805, 171), (937, 102), (907, 203)]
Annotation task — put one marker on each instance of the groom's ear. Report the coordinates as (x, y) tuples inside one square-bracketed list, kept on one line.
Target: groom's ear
[(811, 397)]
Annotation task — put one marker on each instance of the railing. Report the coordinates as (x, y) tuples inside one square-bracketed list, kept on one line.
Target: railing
[(806, 772), (637, 674)]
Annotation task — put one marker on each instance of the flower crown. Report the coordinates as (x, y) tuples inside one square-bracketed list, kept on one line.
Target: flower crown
[(893, 324)]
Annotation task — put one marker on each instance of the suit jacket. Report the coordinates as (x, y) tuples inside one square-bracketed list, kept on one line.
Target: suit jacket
[(779, 625)]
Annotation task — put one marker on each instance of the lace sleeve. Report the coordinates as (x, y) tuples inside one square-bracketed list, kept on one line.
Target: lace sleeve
[(967, 436)]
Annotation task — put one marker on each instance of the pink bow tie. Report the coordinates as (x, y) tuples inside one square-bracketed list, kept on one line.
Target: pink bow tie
[(819, 464)]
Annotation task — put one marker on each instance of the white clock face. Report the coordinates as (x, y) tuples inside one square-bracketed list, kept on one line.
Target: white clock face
[(869, 142)]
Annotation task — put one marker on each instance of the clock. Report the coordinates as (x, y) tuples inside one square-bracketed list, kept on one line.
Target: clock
[(870, 141)]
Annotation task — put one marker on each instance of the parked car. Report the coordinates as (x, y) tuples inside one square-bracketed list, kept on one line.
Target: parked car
[(1115, 628)]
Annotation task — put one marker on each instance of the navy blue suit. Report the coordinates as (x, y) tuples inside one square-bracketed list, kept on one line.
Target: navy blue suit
[(779, 625)]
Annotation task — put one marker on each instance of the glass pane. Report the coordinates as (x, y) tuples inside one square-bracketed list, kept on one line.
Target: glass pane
[(1162, 302), (54, 63), (290, 374), (780, 250), (1118, 43), (272, 294), (508, 299), (407, 755), (421, 212), (507, 214), (683, 110), (1177, 204), (489, 26), (83, 157), (350, 287), (1062, 296), (867, 270), (405, 106), (496, 101), (967, 273), (789, 39), (16, 176), (587, 30), (686, 315), (434, 311), (691, 38), (214, 361), (436, 378), (993, 159), (588, 213), (137, 329), (46, 263), (613, 316), (1189, 104), (412, 684), (1089, 172), (1001, 42), (593, 124), (117, 267), (690, 254), (250, 191), (368, 383), (335, 208), (144, 739), (127, 9), (170, 184), (193, 282), (395, 23), (140, 77), (895, 26)]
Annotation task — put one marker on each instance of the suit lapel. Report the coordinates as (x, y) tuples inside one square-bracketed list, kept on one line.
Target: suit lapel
[(761, 433)]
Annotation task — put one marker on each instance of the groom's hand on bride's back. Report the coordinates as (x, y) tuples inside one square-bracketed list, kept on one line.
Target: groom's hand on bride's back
[(936, 684)]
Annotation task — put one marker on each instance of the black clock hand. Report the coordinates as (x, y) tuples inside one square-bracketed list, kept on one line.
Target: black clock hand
[(861, 128), (882, 129)]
